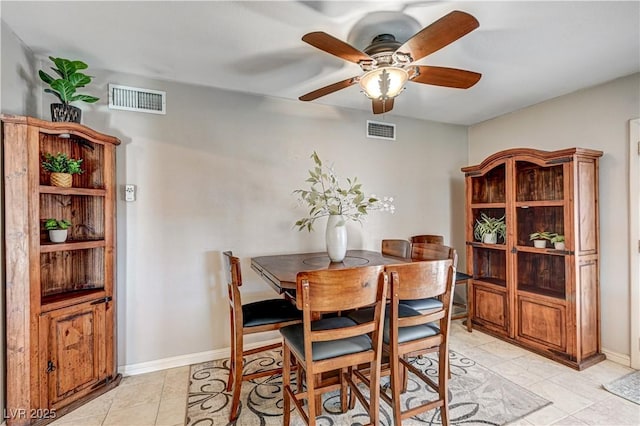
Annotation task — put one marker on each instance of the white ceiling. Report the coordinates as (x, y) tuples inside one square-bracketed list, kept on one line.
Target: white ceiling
[(527, 52)]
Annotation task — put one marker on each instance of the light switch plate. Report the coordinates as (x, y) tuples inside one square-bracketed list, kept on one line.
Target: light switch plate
[(129, 192)]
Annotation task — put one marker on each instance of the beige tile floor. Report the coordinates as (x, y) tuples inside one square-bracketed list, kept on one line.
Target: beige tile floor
[(578, 398)]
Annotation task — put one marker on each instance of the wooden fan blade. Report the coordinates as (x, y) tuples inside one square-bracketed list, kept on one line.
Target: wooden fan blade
[(339, 48), (380, 107), (444, 31), (329, 89), (447, 77)]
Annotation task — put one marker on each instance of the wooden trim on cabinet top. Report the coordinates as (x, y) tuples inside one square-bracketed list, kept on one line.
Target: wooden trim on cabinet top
[(57, 128), (543, 156)]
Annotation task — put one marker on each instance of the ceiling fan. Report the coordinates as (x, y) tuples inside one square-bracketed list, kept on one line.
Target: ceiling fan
[(388, 64)]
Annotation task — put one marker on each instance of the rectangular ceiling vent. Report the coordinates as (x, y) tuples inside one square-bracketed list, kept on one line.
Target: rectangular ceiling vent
[(378, 130), (136, 99)]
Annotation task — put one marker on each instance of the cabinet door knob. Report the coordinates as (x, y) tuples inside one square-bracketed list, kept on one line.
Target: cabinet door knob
[(50, 367)]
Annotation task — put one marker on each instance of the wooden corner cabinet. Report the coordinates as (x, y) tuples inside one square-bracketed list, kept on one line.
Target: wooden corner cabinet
[(60, 301), (543, 299)]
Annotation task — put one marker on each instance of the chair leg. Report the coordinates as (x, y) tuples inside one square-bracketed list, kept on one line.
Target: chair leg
[(237, 385), (232, 359), (374, 392), (286, 383), (443, 377), (404, 375), (312, 398), (396, 381), (317, 381), (343, 390)]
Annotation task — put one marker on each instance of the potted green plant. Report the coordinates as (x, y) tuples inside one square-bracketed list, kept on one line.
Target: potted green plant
[(58, 229), (64, 87), (558, 241), (540, 238), (488, 229), (62, 168)]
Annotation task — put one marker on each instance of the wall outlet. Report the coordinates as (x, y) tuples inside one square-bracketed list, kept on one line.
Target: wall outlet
[(129, 192)]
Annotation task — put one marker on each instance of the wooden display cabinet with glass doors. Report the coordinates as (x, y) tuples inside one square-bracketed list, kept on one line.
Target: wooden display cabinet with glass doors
[(60, 297), (543, 299)]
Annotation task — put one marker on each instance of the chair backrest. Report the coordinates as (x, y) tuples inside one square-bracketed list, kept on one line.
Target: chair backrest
[(426, 251), (396, 248), (431, 239), (233, 275), (420, 280), (334, 290)]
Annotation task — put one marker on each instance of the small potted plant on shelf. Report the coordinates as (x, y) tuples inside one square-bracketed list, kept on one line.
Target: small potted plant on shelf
[(61, 168), (558, 241), (540, 238), (488, 229), (64, 88), (58, 229)]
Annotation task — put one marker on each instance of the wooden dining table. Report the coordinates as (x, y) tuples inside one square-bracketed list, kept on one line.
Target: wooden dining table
[(280, 270)]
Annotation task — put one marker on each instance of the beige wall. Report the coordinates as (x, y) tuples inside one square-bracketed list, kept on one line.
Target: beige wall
[(595, 118), (19, 76)]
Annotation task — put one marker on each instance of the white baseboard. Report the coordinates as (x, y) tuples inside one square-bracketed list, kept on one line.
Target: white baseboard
[(182, 360), (617, 357)]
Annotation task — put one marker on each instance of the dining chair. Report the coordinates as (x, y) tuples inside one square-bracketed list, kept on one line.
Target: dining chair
[(430, 239), (334, 342), (430, 251), (256, 317), (409, 333), (396, 248)]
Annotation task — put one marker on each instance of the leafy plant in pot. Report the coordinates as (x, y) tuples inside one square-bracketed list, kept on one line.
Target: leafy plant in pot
[(558, 241), (540, 238), (488, 229), (62, 168), (64, 88), (327, 197), (58, 229)]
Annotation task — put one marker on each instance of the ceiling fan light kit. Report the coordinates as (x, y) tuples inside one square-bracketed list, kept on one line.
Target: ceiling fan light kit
[(383, 83), (388, 65)]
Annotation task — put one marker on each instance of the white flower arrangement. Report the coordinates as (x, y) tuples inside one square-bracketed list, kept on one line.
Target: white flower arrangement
[(327, 197)]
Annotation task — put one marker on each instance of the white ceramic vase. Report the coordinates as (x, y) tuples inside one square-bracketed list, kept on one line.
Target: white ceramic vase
[(58, 235), (336, 238)]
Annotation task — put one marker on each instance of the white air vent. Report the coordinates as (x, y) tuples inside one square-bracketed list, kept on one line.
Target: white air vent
[(379, 130), (136, 99)]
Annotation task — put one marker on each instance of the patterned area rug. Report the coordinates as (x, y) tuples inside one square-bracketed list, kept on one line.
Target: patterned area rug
[(477, 396), (628, 387)]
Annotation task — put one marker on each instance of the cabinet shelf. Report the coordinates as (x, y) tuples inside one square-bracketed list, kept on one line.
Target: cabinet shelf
[(96, 192), (488, 205), (532, 203), (69, 298), (536, 291), (492, 281), (477, 244), (548, 250), (71, 245)]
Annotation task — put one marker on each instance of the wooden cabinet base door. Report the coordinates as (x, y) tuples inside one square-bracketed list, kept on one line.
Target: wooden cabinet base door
[(73, 352)]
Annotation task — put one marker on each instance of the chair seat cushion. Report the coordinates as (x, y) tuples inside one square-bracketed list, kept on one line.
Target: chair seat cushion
[(405, 334), (423, 304), (269, 311), (294, 337)]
